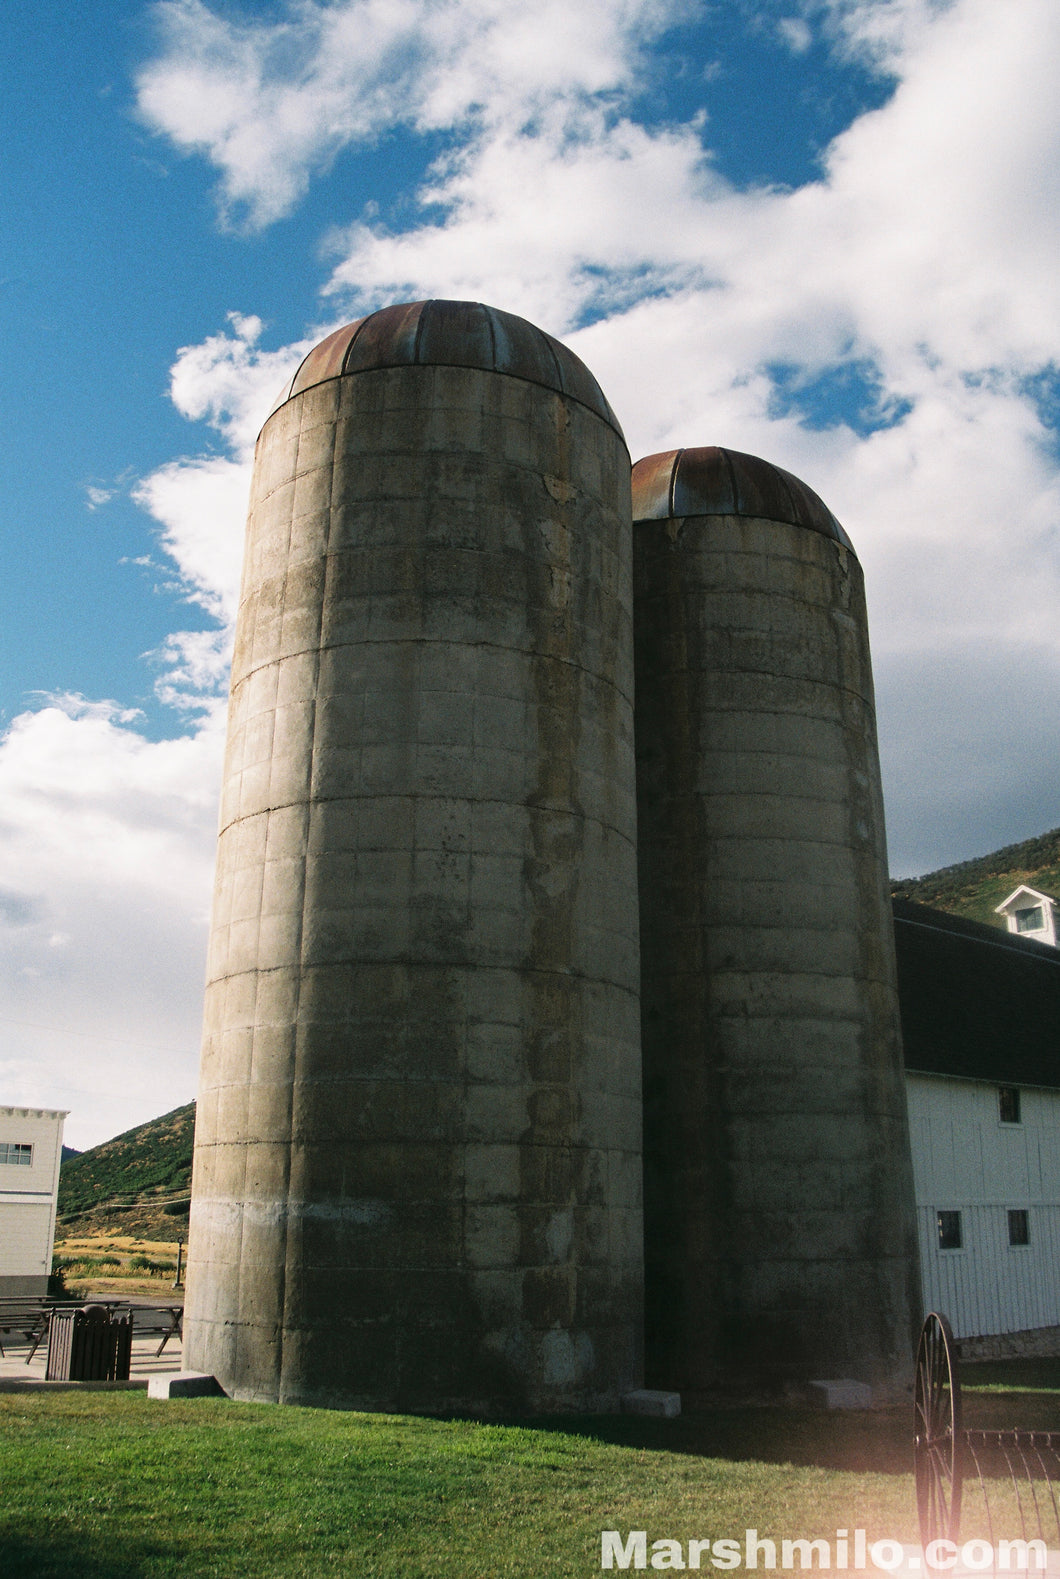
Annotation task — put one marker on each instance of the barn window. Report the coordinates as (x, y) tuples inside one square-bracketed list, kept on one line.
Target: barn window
[(1008, 1104), (1019, 1228), (15, 1154), (949, 1230)]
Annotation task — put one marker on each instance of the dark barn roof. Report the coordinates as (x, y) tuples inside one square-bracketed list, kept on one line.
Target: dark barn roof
[(976, 1002)]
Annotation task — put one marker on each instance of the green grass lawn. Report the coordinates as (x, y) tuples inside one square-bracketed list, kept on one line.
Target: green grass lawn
[(116, 1485), (111, 1486), (1009, 1376)]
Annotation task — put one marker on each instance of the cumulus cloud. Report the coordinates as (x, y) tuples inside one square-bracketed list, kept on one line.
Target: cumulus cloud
[(270, 103), (106, 844), (917, 271), (923, 259), (919, 266), (232, 383), (796, 33), (199, 502)]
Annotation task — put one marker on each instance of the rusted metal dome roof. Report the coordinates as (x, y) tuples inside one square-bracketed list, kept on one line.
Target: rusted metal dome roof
[(713, 481), (452, 334)]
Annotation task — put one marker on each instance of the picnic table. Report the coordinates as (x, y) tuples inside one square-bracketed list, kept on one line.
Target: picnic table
[(30, 1316)]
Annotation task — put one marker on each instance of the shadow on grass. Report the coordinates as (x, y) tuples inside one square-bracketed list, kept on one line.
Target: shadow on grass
[(56, 1553), (863, 1442), (998, 1394)]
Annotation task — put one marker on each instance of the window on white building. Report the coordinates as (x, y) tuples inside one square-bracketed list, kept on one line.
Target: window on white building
[(1019, 1228), (1030, 920), (1008, 1104), (949, 1230), (14, 1154)]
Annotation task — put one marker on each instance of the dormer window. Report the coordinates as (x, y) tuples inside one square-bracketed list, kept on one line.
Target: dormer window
[(1031, 913)]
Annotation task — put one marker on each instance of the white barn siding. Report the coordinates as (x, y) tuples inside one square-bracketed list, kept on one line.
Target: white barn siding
[(25, 1238), (966, 1160), (27, 1198)]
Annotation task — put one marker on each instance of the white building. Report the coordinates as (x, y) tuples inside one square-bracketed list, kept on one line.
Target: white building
[(1030, 913), (981, 1024), (31, 1144), (986, 1165)]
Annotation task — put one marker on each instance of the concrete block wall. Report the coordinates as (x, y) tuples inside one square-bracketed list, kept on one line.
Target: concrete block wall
[(417, 1171), (780, 1239), (418, 1165)]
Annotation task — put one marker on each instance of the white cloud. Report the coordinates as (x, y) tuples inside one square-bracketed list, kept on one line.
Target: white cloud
[(923, 258), (201, 506), (200, 502), (795, 32), (884, 34), (231, 383), (107, 845), (924, 254), (97, 496), (271, 103)]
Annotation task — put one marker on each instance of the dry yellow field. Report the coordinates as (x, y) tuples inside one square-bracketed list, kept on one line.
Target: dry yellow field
[(116, 1264)]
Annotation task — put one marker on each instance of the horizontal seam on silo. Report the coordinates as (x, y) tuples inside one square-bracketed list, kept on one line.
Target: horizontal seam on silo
[(461, 367)]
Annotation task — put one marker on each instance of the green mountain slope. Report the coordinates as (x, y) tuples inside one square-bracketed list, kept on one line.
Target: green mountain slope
[(973, 888), (148, 1165)]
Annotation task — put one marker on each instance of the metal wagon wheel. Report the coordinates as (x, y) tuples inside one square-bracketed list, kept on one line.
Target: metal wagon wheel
[(939, 1438)]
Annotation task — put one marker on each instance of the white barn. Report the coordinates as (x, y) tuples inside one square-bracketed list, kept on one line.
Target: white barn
[(981, 1024), (31, 1143)]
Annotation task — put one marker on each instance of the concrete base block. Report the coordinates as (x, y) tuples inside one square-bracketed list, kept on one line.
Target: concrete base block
[(841, 1394), (647, 1401), (184, 1384)]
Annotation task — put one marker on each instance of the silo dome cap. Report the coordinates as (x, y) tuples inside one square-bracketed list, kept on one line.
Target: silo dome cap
[(452, 334), (714, 481)]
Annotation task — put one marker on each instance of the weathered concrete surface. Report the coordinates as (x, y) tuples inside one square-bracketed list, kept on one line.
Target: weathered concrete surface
[(184, 1384), (652, 1404), (779, 1223), (841, 1393), (417, 1170)]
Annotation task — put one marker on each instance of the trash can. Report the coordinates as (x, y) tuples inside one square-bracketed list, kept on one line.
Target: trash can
[(92, 1344)]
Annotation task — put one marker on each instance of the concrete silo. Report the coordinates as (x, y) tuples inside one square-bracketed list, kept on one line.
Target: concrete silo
[(417, 1163), (779, 1241)]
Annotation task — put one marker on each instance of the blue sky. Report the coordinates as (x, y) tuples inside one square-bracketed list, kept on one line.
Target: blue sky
[(823, 231)]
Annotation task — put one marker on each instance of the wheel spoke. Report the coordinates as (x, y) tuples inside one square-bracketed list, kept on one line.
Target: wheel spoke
[(938, 1437)]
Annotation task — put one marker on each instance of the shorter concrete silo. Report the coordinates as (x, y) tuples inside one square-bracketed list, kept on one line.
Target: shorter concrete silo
[(779, 1230)]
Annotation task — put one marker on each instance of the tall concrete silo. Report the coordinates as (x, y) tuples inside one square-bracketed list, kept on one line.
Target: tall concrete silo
[(417, 1163), (779, 1231)]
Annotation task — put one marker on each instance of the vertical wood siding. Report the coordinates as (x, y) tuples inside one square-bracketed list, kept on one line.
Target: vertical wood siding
[(966, 1160)]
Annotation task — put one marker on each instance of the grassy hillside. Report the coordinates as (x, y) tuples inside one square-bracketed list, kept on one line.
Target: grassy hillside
[(139, 1180), (973, 888)]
